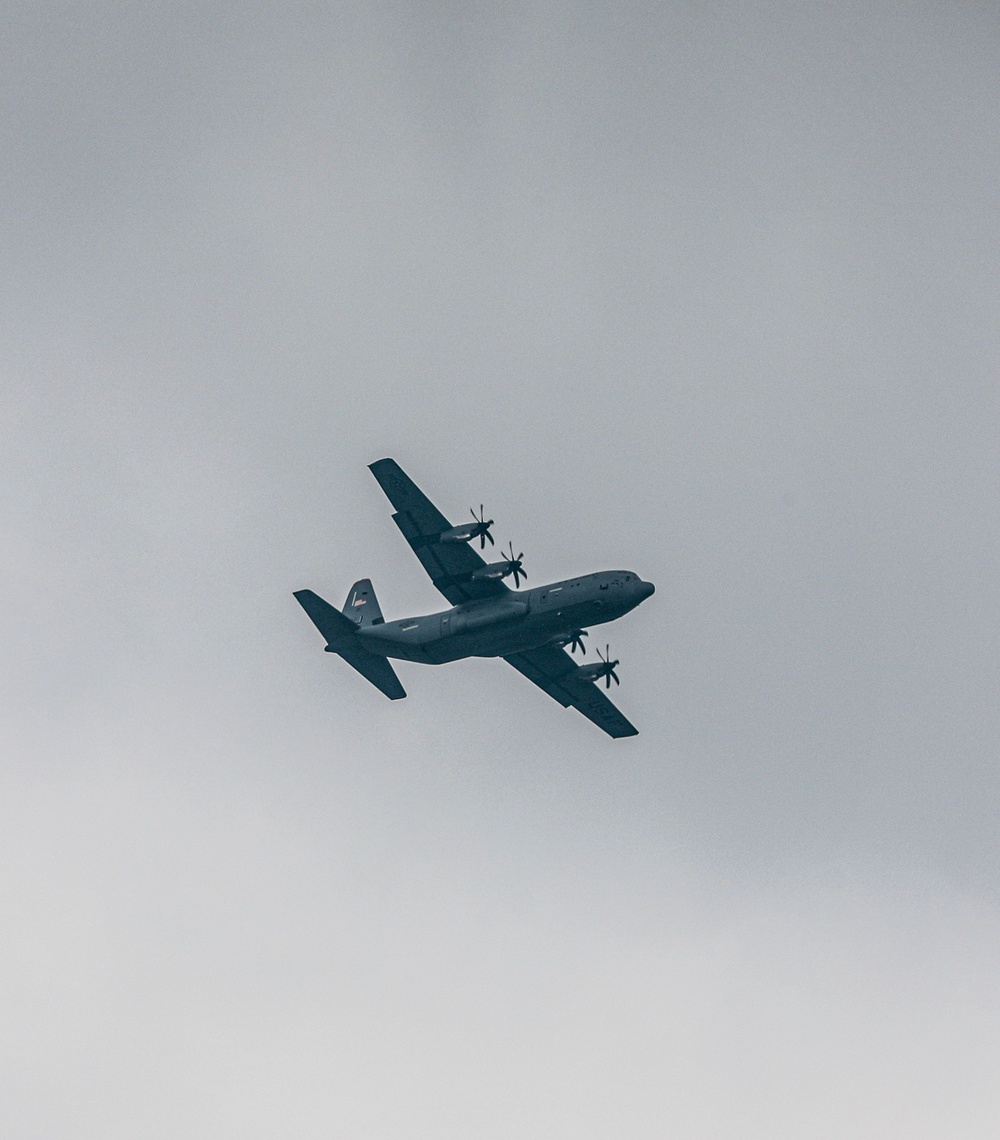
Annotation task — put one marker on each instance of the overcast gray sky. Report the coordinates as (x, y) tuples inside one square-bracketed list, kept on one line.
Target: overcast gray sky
[(704, 290)]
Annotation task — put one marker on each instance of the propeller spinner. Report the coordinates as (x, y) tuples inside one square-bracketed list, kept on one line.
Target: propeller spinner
[(576, 641), (607, 670), (482, 531), (514, 566)]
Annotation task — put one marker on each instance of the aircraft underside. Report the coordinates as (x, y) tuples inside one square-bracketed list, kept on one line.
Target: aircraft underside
[(537, 631), (528, 634)]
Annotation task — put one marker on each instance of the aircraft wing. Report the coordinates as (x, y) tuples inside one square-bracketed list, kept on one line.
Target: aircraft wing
[(450, 564), (553, 670)]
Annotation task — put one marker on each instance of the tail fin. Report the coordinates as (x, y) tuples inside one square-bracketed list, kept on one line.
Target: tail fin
[(342, 638), (362, 606)]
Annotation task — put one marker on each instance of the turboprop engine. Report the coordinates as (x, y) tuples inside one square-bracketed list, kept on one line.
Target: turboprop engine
[(511, 565), (605, 669), (468, 531), (574, 641)]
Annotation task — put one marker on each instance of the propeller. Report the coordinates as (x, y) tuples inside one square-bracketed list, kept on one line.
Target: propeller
[(514, 566), (608, 668), (576, 642), (482, 531)]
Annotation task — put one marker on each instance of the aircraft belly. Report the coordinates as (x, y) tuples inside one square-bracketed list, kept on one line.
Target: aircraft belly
[(477, 632), (480, 643), (536, 630), (429, 649), (399, 651), (403, 648)]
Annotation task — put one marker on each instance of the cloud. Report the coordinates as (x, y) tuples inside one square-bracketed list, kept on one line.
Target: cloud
[(668, 288)]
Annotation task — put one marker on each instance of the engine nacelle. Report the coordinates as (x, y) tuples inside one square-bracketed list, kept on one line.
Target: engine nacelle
[(492, 570), (595, 672), (464, 533)]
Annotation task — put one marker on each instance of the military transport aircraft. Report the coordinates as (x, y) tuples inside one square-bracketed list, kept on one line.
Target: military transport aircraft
[(528, 628)]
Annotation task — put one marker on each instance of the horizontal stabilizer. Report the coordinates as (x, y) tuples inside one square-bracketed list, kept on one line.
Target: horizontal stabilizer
[(329, 621), (342, 638)]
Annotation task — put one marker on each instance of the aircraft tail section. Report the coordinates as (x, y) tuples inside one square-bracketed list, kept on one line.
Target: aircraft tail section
[(342, 638), (362, 606)]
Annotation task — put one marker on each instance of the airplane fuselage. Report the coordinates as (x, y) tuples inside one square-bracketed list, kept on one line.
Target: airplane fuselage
[(511, 623)]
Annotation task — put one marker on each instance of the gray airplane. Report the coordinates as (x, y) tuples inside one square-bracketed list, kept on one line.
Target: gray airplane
[(528, 628)]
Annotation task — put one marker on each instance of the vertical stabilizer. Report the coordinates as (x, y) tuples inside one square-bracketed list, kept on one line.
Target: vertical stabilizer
[(362, 606)]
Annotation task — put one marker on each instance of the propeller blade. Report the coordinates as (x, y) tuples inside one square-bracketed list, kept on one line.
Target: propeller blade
[(482, 531), (608, 667)]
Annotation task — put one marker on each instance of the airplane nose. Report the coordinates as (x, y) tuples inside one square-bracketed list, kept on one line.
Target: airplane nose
[(646, 588)]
